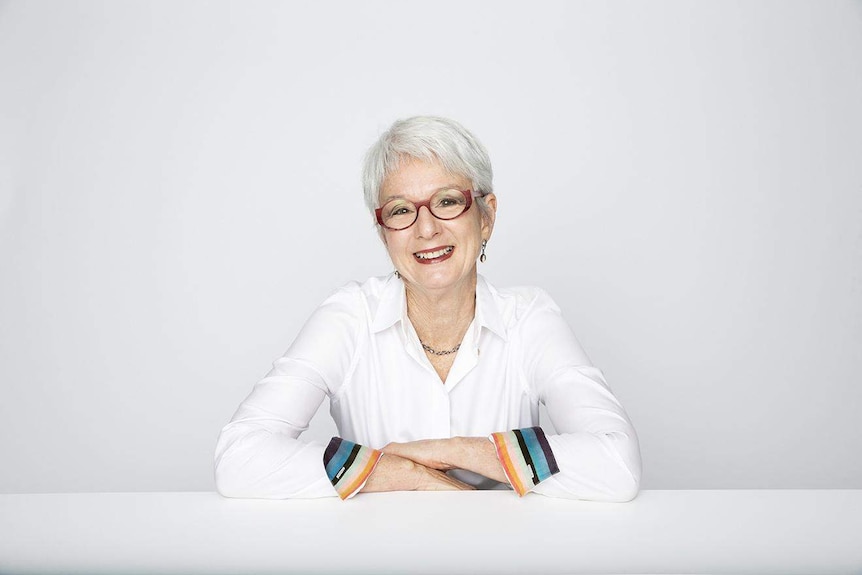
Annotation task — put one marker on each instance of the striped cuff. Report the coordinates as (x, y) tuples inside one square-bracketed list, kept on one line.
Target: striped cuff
[(526, 457), (348, 465)]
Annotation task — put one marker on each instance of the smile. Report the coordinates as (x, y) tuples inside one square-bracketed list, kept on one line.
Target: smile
[(434, 255)]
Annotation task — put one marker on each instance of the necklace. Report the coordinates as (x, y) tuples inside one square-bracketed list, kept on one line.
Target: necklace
[(429, 349)]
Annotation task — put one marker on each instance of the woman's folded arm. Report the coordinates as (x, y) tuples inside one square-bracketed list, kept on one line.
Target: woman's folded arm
[(259, 455), (595, 445)]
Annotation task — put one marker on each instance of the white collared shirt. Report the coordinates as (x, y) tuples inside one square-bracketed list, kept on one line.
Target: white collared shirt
[(360, 348)]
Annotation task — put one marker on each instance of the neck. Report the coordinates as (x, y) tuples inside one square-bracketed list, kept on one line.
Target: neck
[(441, 317)]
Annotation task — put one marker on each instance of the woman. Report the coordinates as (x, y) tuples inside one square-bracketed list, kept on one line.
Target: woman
[(434, 376)]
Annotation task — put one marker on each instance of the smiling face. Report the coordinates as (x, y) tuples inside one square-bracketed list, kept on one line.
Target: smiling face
[(434, 255)]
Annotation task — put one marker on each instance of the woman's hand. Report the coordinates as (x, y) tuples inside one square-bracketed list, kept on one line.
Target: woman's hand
[(394, 473), (475, 454)]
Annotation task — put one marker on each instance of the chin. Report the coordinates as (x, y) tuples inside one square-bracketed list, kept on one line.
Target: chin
[(440, 276)]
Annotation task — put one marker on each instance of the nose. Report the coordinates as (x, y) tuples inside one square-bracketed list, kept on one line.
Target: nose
[(427, 226)]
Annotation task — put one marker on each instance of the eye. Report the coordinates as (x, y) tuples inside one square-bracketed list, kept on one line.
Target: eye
[(399, 210), (448, 199)]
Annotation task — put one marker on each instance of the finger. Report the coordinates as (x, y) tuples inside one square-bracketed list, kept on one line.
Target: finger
[(445, 486), (439, 481), (461, 485), (453, 486)]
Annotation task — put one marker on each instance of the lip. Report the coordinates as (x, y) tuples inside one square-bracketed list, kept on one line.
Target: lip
[(442, 258)]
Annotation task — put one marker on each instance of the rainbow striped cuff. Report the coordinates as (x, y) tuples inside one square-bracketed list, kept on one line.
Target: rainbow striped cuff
[(526, 457), (348, 465)]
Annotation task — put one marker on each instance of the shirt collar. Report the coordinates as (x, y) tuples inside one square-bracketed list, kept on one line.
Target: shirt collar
[(392, 307), (487, 311)]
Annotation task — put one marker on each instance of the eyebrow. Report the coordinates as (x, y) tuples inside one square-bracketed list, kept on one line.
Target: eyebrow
[(440, 189)]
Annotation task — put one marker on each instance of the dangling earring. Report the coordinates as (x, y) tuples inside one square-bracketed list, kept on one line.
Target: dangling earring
[(483, 257), (397, 274)]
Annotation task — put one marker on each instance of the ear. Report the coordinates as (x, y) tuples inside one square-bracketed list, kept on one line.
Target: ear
[(489, 219)]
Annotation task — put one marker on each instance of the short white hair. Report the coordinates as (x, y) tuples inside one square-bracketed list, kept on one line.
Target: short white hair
[(429, 139)]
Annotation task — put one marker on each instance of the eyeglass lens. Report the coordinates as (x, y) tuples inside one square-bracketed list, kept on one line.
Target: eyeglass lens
[(399, 213)]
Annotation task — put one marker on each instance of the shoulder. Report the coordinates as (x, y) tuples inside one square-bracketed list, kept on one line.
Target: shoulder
[(535, 324), (346, 312), (364, 301), (517, 303), (370, 290)]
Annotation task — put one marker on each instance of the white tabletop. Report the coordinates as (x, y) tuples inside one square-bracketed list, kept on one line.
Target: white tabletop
[(792, 531)]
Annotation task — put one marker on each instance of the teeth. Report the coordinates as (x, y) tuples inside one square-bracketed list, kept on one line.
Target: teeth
[(437, 254)]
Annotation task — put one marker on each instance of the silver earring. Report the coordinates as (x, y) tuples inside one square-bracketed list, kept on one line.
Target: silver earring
[(397, 274), (483, 257)]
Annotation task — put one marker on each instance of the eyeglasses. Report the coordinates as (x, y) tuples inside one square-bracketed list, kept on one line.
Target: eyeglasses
[(400, 214)]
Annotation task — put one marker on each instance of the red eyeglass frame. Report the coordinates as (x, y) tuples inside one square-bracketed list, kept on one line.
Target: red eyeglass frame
[(468, 194)]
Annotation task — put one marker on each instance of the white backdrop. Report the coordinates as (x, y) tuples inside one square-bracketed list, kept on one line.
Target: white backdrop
[(684, 179)]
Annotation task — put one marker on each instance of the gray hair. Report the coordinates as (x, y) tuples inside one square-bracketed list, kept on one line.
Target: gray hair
[(430, 139)]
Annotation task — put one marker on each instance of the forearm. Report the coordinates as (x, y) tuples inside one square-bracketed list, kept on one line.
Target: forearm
[(253, 462), (395, 473), (259, 453), (595, 444), (597, 467), (476, 454)]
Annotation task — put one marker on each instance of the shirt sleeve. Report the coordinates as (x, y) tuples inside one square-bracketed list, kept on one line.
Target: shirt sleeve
[(349, 465), (595, 448), (259, 453), (526, 457)]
